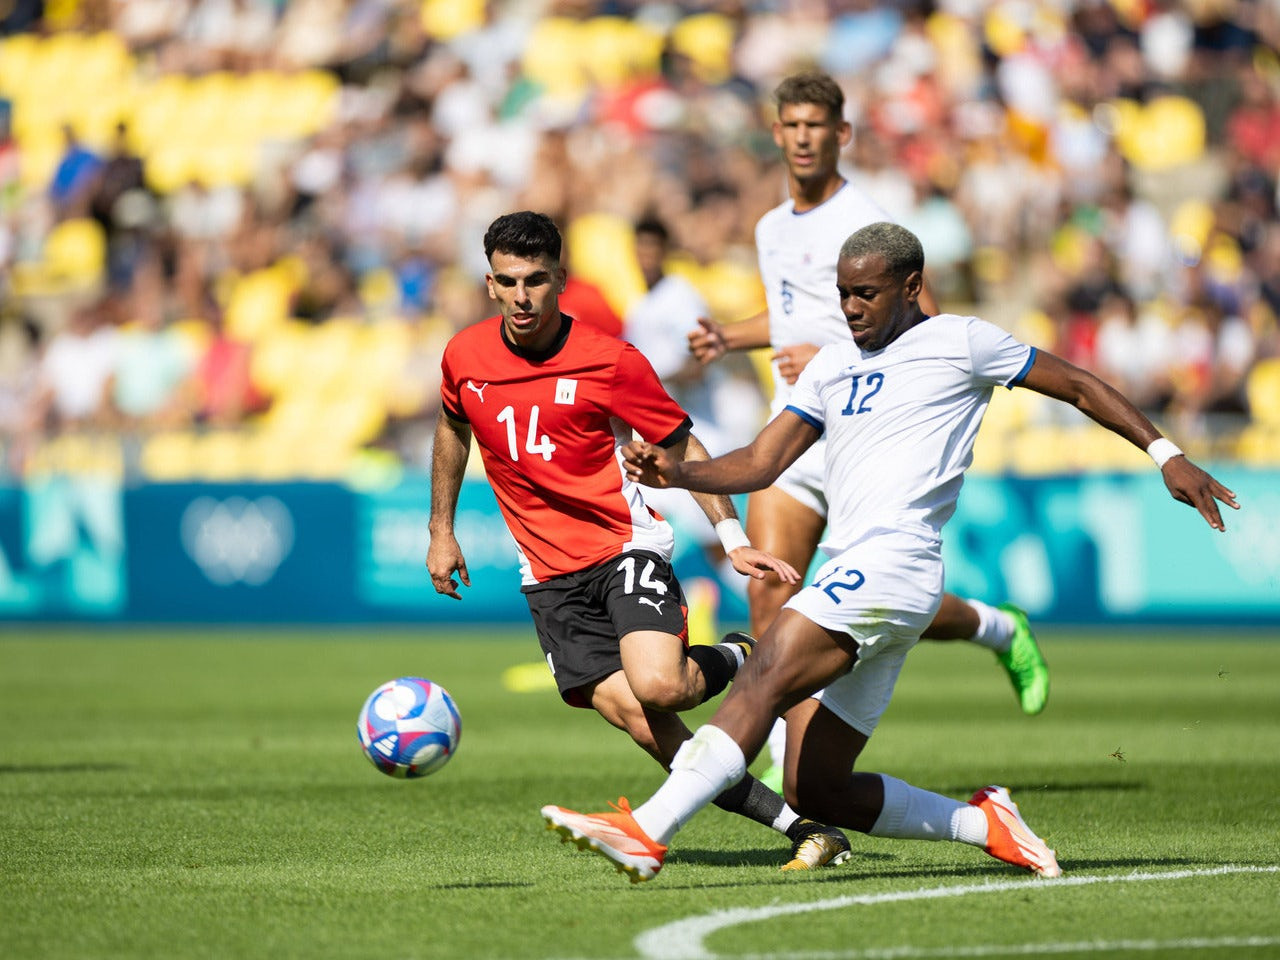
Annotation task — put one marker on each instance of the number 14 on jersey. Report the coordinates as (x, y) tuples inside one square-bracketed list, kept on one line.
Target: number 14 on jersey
[(534, 445)]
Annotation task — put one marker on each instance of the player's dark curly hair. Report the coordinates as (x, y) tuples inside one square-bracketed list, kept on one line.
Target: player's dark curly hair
[(523, 234), (900, 248), (814, 87)]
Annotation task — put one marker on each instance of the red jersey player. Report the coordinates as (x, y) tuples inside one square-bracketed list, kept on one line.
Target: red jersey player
[(549, 402)]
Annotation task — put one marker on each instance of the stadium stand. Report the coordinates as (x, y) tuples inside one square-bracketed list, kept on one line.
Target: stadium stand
[(298, 191)]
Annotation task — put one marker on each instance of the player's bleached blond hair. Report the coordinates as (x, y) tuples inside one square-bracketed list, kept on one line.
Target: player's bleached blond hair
[(813, 87), (900, 248)]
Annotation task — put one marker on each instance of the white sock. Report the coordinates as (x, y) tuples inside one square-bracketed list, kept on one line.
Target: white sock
[(734, 652), (910, 813), (778, 742), (703, 768), (995, 627), (784, 821)]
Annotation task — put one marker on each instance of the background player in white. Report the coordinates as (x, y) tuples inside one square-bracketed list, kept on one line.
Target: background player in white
[(726, 408), (796, 243), (900, 405), (546, 400)]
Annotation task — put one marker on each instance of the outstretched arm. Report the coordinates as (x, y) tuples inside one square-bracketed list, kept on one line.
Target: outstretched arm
[(748, 468), (713, 340), (1055, 377), (746, 559), (448, 463)]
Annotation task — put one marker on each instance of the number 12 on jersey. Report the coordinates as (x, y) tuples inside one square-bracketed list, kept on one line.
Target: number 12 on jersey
[(533, 444)]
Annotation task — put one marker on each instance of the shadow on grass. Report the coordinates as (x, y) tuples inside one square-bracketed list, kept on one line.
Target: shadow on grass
[(862, 869), (61, 767), (494, 884), (1026, 789)]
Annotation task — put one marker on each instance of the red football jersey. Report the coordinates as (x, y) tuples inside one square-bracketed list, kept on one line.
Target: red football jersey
[(549, 426)]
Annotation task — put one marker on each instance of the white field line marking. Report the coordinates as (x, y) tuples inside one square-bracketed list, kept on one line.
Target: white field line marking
[(683, 939), (1027, 949)]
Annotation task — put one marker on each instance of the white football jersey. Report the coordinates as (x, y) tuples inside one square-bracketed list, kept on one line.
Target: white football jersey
[(797, 254), (900, 423)]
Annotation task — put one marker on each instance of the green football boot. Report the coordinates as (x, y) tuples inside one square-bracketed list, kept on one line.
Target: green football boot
[(1025, 664)]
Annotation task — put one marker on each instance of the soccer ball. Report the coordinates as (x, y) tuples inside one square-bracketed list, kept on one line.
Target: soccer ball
[(409, 727)]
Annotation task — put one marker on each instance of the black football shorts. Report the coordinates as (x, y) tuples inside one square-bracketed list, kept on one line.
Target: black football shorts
[(580, 616)]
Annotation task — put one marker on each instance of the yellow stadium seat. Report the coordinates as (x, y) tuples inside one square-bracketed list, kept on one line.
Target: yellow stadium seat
[(602, 250), (226, 162), (1259, 445), (732, 289), (168, 456), (1167, 132), (1003, 33), (75, 252), (221, 455), (990, 451), (170, 167), (308, 102), (446, 19), (707, 40), (259, 302), (1041, 450), (279, 357), (17, 54), (1262, 387), (552, 58), (614, 50)]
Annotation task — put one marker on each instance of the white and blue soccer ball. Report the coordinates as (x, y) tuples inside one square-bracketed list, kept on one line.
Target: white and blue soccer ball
[(409, 727)]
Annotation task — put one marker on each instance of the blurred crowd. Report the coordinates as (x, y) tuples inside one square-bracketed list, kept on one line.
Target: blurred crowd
[(235, 234)]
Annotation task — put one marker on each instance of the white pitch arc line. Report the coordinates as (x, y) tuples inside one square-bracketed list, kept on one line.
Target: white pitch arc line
[(684, 939), (1027, 949)]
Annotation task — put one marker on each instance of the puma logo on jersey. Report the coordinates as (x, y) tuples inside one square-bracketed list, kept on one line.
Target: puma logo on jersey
[(478, 391), (656, 604)]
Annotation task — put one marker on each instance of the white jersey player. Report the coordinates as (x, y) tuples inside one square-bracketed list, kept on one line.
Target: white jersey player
[(797, 244), (798, 269), (900, 406)]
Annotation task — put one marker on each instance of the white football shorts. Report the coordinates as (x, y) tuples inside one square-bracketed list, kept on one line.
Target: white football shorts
[(883, 592)]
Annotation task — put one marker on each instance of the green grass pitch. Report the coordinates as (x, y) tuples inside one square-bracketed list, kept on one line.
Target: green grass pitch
[(200, 794)]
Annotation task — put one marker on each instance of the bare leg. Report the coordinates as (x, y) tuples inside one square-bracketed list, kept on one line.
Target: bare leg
[(955, 620), (659, 672)]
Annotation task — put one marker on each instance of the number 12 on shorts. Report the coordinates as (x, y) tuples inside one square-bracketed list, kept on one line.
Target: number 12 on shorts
[(838, 579)]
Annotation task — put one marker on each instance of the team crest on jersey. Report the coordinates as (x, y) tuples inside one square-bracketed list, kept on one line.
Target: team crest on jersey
[(566, 390)]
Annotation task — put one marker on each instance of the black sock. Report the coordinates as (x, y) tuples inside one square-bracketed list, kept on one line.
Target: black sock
[(717, 666), (751, 799)]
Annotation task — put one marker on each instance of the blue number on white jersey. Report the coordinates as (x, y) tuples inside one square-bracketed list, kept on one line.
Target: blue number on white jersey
[(874, 382)]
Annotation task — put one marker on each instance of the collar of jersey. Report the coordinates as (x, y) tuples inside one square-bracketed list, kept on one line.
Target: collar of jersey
[(538, 356)]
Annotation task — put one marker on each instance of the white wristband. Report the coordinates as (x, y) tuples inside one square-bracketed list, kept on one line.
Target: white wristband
[(731, 535), (1162, 450)]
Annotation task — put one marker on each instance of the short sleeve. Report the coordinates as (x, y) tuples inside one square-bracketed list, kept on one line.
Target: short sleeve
[(639, 400), (806, 396), (449, 399), (996, 356)]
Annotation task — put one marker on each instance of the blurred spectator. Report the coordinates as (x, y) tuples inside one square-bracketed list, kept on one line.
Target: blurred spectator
[(221, 386), (75, 178), (77, 368), (153, 365), (123, 206), (1110, 167), (19, 388)]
